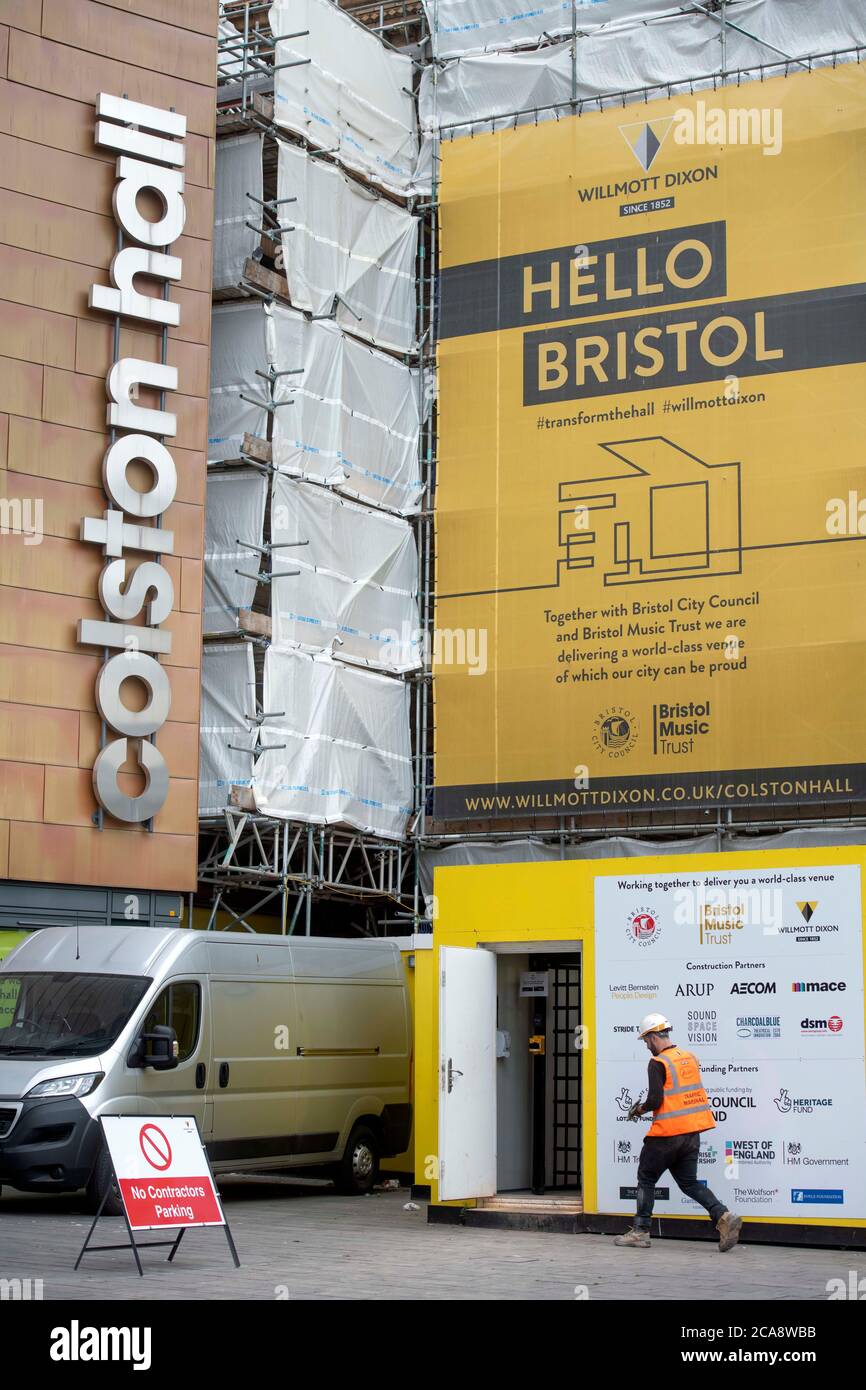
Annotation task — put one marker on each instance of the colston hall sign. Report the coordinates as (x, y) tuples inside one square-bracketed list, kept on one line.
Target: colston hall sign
[(151, 158)]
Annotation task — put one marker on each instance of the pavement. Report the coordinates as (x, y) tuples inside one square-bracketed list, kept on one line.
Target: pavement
[(300, 1239)]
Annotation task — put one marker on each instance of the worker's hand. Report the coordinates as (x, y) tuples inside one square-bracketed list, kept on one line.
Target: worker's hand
[(635, 1111)]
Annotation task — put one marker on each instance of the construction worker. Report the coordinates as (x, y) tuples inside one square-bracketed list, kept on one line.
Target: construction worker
[(682, 1112)]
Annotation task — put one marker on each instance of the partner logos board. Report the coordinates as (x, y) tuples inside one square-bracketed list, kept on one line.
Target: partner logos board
[(776, 1022)]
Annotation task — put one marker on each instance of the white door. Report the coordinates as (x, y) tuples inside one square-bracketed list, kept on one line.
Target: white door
[(467, 1073)]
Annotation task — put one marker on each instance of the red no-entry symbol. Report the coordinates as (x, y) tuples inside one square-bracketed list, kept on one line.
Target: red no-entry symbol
[(155, 1147)]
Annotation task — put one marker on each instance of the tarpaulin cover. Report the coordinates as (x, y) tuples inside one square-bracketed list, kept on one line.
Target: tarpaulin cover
[(473, 26), (673, 48), (354, 95), (238, 351), (358, 580), (238, 172), (227, 697), (234, 512), (355, 419), (347, 756), (348, 242)]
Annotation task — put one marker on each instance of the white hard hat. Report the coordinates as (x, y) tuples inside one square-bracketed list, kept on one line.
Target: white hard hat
[(653, 1023)]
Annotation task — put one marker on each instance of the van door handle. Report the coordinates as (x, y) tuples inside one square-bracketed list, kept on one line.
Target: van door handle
[(452, 1072), (224, 1074), (200, 1076)]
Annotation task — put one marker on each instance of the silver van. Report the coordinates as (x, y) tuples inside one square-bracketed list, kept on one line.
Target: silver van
[(291, 1052)]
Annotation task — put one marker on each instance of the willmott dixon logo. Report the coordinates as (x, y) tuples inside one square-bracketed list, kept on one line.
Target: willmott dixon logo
[(807, 910), (645, 139)]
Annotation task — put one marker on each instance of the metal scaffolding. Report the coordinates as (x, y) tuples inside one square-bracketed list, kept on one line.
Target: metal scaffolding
[(251, 864)]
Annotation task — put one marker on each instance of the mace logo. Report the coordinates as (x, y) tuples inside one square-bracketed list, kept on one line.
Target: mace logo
[(807, 910), (818, 986), (645, 139)]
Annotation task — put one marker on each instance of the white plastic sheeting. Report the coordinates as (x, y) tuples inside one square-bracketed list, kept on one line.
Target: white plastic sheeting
[(238, 172), (476, 26), (354, 95), (351, 254), (227, 697), (356, 416), (229, 64), (234, 512), (668, 50), (358, 579), (238, 350), (347, 755)]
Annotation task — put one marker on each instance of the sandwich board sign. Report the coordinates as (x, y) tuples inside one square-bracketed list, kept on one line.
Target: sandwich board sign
[(164, 1179)]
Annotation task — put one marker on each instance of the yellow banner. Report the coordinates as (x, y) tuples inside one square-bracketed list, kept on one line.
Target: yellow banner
[(652, 494)]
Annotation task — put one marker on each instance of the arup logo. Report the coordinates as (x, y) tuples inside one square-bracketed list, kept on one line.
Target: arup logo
[(645, 139), (807, 910)]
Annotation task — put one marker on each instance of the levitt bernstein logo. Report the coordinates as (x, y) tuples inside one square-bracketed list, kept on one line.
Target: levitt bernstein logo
[(151, 158)]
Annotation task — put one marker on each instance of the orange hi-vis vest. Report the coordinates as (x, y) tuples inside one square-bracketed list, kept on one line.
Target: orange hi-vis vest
[(685, 1108)]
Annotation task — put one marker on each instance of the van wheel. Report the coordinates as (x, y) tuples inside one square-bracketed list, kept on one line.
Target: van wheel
[(101, 1178), (359, 1168)]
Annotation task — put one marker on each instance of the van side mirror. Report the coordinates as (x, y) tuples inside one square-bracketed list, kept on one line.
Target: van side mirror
[(157, 1049)]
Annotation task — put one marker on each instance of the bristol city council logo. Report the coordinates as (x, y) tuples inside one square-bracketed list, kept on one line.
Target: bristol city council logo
[(615, 732), (643, 927)]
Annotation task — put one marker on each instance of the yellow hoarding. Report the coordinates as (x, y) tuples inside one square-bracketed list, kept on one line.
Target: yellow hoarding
[(651, 500)]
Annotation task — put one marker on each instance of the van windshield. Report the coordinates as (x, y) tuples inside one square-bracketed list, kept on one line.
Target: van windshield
[(64, 1015)]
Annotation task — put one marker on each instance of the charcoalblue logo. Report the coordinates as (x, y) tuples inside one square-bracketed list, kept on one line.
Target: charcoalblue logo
[(759, 1026)]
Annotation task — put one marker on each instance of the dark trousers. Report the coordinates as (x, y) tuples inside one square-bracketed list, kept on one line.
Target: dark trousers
[(676, 1154)]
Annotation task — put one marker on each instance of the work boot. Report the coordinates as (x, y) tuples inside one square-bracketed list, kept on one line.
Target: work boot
[(634, 1240), (728, 1227)]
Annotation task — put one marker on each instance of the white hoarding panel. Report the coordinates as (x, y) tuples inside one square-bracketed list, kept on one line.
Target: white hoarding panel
[(761, 975), (356, 415), (228, 697), (234, 521), (351, 253), (238, 351), (345, 754), (352, 584), (238, 172), (345, 91)]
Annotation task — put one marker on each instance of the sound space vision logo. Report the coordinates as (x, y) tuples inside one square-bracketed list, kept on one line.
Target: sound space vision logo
[(643, 928)]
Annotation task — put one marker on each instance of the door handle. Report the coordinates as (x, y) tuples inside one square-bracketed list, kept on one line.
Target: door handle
[(452, 1072), (200, 1076), (224, 1074)]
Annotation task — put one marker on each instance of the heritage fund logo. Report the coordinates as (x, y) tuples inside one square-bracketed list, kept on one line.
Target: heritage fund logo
[(615, 732)]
